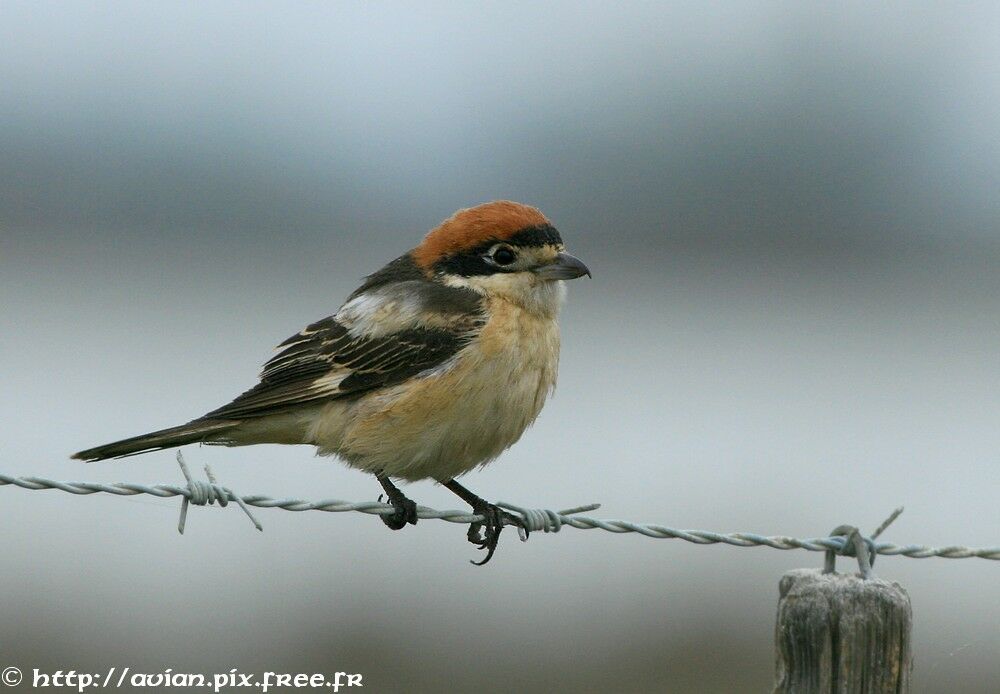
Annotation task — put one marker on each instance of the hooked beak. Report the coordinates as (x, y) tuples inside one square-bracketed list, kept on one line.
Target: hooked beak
[(565, 267)]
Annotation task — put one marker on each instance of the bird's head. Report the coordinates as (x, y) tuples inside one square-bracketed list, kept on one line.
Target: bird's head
[(501, 249)]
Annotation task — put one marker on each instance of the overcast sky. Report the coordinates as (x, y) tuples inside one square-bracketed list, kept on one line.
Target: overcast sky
[(792, 217)]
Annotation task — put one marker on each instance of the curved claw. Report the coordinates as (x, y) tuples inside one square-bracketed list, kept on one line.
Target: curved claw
[(406, 512), (485, 534)]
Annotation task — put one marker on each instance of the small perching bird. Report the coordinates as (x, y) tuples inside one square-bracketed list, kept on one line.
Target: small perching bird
[(433, 366)]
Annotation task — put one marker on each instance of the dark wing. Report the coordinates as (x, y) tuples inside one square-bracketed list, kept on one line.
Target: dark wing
[(329, 359)]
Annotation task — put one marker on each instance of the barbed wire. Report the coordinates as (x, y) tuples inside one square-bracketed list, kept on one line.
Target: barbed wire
[(200, 493)]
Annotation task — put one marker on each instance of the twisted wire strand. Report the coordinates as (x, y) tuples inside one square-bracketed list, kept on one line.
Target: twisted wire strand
[(536, 519)]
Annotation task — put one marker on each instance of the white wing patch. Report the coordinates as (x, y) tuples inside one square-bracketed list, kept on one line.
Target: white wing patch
[(381, 311), (395, 308)]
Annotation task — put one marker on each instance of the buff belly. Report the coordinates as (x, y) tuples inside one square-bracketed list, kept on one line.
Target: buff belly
[(463, 415)]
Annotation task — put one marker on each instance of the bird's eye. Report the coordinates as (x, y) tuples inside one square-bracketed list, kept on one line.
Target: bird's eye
[(504, 255)]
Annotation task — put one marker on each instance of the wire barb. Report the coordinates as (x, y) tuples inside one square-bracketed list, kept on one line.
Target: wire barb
[(567, 518), (887, 522), (856, 545), (547, 521), (201, 493)]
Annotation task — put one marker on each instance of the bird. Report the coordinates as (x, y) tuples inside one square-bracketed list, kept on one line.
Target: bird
[(431, 368)]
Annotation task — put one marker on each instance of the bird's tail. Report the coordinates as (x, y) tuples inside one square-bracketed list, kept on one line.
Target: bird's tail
[(192, 432)]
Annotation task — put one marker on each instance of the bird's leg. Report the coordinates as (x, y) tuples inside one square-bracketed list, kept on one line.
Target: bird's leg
[(486, 533), (406, 509)]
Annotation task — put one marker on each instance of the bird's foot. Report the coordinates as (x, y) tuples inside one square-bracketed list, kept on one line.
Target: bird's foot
[(406, 510), (485, 534)]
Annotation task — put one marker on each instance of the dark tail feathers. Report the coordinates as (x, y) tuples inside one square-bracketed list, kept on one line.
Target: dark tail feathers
[(192, 432)]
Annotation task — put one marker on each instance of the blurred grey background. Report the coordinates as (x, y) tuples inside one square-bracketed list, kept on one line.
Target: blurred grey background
[(791, 211)]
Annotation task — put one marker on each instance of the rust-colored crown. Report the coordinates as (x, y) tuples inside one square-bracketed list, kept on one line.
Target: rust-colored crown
[(468, 228)]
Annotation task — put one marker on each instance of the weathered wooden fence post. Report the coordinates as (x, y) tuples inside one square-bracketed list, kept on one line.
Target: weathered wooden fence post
[(842, 633)]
